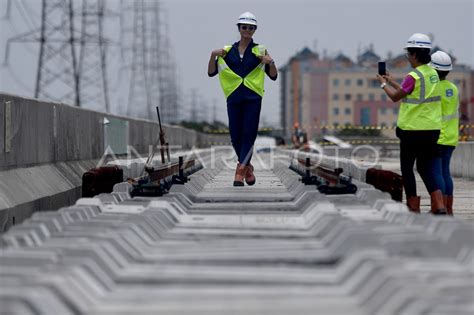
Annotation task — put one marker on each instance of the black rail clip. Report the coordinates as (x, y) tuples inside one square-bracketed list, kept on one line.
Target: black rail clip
[(343, 184), (181, 178)]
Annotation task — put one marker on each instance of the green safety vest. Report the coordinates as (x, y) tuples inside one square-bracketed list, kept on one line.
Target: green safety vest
[(450, 113), (230, 80), (421, 110)]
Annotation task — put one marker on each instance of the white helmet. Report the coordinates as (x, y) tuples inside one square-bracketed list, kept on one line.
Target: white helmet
[(441, 61), (247, 18), (418, 40)]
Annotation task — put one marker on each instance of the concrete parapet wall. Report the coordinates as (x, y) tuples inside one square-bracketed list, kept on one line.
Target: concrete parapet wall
[(34, 132), (46, 147), (45, 187), (209, 140), (462, 161)]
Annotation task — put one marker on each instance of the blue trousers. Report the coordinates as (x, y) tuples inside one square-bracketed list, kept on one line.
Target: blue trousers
[(447, 186), (243, 126)]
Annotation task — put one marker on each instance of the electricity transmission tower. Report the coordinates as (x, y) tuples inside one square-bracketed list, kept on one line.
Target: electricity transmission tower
[(139, 98), (92, 68), (155, 73), (63, 75), (194, 103), (56, 38), (169, 85), (151, 72), (72, 61)]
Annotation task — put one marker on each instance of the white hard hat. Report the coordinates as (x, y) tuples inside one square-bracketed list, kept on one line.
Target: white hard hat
[(418, 40), (247, 18), (441, 61)]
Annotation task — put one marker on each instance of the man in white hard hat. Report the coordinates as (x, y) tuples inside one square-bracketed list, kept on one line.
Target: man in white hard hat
[(448, 139), (419, 123), (242, 68)]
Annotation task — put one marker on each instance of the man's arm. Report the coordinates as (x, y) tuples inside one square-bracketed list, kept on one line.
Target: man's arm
[(270, 67), (272, 71), (212, 65), (396, 92)]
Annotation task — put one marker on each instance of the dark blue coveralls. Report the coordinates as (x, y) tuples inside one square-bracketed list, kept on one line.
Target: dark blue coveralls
[(243, 105)]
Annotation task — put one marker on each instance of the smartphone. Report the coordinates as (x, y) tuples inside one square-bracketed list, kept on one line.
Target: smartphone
[(382, 69)]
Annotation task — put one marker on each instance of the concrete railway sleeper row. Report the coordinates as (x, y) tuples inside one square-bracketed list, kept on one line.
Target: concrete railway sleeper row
[(206, 247)]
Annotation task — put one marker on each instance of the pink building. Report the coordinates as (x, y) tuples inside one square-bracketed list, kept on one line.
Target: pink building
[(317, 92)]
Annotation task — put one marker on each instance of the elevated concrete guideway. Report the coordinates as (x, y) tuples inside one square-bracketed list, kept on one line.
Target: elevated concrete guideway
[(206, 247), (279, 247), (45, 148), (463, 184)]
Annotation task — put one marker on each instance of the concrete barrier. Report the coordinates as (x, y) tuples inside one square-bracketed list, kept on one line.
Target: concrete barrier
[(45, 148), (34, 132), (462, 161)]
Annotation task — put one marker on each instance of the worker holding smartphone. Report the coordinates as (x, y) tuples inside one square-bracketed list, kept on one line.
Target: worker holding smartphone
[(419, 123)]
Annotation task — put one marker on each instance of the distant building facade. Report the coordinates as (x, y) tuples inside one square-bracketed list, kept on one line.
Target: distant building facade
[(318, 93)]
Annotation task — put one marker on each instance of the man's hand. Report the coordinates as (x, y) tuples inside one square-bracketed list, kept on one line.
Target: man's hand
[(218, 53), (389, 78), (381, 78), (267, 59)]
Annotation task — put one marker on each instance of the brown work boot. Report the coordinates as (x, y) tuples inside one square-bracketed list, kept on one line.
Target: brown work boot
[(437, 203), (449, 204), (240, 174), (413, 203), (249, 176)]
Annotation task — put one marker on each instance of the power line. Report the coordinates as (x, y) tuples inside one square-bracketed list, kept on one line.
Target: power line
[(8, 10), (67, 73), (33, 17), (26, 17)]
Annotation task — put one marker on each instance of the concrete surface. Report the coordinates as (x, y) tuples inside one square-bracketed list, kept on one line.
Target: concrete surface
[(463, 191), (462, 161), (51, 186), (36, 132), (39, 139), (211, 248)]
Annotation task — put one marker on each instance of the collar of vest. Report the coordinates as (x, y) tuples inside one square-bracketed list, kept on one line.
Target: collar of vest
[(251, 44)]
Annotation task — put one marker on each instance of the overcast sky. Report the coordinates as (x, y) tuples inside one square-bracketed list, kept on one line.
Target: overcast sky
[(285, 27)]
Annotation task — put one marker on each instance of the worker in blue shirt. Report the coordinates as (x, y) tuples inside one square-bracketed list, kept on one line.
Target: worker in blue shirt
[(242, 68)]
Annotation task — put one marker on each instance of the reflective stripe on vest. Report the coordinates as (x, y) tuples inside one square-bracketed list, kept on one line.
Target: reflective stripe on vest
[(230, 80), (422, 99), (450, 114), (421, 109), (450, 117)]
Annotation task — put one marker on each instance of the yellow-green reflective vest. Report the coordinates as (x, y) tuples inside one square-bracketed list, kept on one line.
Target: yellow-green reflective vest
[(230, 80), (421, 110), (450, 113)]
